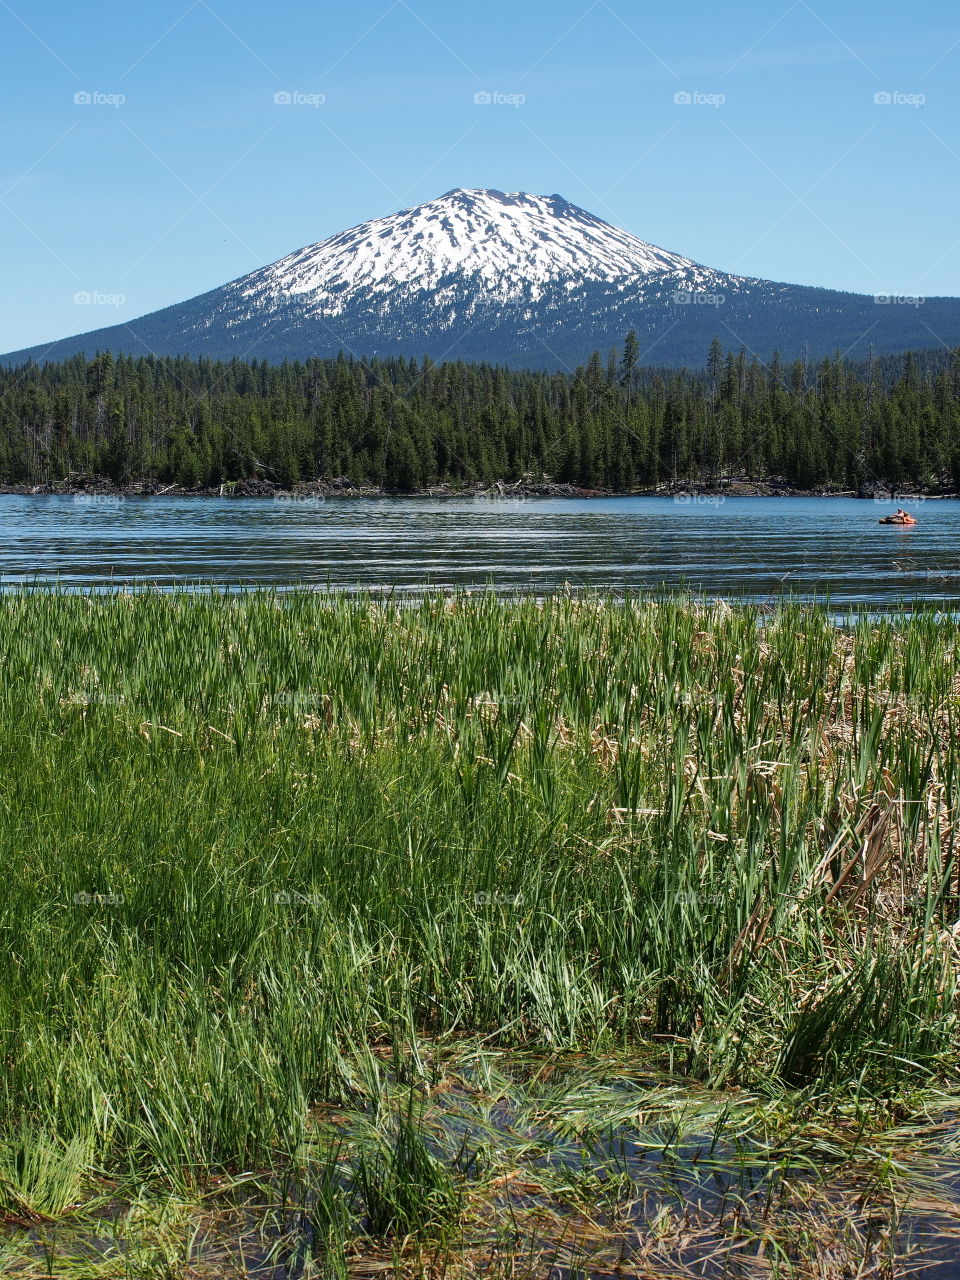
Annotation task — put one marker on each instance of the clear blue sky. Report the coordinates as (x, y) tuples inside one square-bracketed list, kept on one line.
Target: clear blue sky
[(198, 176)]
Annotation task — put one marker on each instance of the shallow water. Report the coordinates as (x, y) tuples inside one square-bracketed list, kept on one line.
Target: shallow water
[(575, 1203), (751, 548), (270, 1233)]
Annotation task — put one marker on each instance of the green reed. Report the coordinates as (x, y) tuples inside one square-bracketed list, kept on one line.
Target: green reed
[(251, 841)]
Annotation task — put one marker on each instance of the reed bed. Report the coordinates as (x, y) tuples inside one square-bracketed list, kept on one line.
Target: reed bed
[(267, 852)]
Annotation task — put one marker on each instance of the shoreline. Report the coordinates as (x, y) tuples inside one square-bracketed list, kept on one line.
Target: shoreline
[(538, 831), (340, 488)]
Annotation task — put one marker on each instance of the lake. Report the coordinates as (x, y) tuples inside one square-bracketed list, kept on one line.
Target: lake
[(751, 548)]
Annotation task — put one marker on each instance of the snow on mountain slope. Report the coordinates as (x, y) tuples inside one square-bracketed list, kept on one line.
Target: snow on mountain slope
[(513, 279), (503, 244)]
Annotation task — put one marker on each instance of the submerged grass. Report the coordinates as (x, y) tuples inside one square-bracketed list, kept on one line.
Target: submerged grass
[(263, 852)]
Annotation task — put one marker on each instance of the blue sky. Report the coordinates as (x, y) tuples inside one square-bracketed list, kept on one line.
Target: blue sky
[(145, 156)]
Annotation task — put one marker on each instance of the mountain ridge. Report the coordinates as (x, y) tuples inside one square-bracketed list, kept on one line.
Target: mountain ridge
[(507, 278)]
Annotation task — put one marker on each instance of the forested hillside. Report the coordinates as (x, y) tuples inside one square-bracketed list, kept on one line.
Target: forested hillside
[(403, 424)]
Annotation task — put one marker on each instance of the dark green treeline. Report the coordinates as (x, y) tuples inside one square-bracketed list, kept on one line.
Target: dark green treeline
[(405, 424)]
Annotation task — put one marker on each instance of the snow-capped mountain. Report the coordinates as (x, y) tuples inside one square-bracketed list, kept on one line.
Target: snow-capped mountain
[(506, 245), (510, 278)]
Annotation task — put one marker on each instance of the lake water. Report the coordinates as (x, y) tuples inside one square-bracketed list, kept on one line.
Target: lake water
[(753, 548)]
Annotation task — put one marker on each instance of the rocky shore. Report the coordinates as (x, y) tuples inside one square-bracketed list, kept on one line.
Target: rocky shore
[(94, 487)]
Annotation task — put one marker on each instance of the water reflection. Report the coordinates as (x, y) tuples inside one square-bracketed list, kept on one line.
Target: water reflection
[(753, 548)]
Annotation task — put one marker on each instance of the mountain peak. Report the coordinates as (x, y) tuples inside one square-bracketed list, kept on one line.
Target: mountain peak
[(500, 245), (519, 199)]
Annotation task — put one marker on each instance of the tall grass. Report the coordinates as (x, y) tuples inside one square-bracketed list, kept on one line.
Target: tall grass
[(251, 842)]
